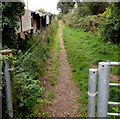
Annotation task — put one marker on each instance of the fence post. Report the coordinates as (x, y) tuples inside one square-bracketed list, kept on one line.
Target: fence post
[(8, 84), (0, 99), (92, 92), (1, 88), (103, 88), (8, 89)]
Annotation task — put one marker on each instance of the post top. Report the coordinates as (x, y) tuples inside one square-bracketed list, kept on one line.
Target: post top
[(104, 63), (5, 52), (92, 69)]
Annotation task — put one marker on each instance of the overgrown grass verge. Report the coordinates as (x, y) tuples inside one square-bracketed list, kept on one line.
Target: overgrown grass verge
[(28, 94), (50, 77), (52, 70), (85, 49)]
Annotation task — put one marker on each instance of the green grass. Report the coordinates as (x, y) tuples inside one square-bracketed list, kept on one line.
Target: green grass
[(85, 50), (53, 81), (54, 68), (51, 95), (47, 101)]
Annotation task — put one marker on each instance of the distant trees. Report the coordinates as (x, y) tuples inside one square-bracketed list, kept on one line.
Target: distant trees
[(65, 7), (96, 7), (11, 12), (110, 29), (84, 8), (92, 8), (42, 10), (102, 16)]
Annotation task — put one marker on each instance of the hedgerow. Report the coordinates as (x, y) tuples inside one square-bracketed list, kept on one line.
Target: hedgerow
[(28, 70), (110, 28)]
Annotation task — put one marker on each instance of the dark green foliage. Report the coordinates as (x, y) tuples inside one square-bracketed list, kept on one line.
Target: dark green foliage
[(88, 23), (110, 29), (28, 71), (91, 8), (65, 7), (11, 11), (95, 8), (87, 16), (85, 50), (27, 94)]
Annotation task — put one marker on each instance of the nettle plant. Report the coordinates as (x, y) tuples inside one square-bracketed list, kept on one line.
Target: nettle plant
[(28, 71), (27, 91)]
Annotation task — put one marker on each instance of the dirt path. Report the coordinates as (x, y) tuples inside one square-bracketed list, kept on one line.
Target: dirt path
[(66, 92)]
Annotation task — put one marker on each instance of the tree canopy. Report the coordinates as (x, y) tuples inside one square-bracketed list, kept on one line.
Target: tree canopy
[(42, 10), (65, 7), (92, 8), (11, 12)]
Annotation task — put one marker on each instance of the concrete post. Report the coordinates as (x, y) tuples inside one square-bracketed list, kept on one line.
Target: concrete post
[(92, 92)]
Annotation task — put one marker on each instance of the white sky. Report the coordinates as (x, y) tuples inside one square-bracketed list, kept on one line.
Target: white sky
[(47, 5)]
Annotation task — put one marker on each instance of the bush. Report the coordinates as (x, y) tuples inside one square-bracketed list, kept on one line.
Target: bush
[(110, 29), (27, 94), (29, 69), (86, 23)]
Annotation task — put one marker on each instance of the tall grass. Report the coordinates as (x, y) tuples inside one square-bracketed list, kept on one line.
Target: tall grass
[(28, 92), (84, 51)]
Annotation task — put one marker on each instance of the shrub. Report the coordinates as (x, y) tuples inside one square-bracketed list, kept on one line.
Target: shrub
[(29, 69), (27, 94), (110, 29)]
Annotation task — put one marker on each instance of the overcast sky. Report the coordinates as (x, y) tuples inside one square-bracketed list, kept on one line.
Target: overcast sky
[(48, 5)]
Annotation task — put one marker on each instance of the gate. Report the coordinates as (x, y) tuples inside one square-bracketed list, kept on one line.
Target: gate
[(103, 73)]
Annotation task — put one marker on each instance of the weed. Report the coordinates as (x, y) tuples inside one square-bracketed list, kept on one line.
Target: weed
[(51, 95), (29, 69), (53, 81)]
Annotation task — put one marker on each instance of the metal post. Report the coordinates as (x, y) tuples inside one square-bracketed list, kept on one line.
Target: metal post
[(0, 100), (8, 90), (1, 61), (114, 63), (92, 92), (103, 88), (0, 89)]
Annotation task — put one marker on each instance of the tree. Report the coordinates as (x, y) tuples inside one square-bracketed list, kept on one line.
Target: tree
[(110, 29), (96, 7), (92, 8), (11, 12), (65, 7)]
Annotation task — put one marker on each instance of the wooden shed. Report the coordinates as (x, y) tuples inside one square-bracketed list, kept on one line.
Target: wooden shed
[(25, 24), (32, 22)]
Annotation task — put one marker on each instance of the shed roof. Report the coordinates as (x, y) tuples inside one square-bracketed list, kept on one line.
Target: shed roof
[(39, 13)]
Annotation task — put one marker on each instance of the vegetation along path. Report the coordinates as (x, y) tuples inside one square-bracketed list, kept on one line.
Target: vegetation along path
[(66, 92)]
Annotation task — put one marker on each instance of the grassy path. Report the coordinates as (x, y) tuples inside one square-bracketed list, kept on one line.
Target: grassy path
[(65, 103), (64, 92), (84, 51)]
